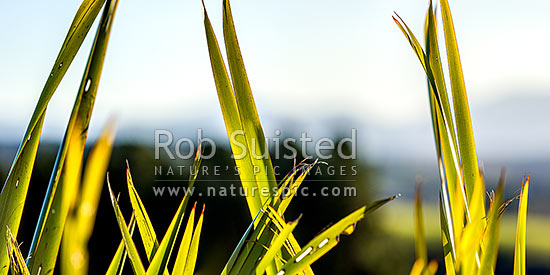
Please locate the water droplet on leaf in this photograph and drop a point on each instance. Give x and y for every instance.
(88, 84)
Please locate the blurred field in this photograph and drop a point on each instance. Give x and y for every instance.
(397, 221)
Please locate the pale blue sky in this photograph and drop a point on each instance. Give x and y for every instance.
(308, 61)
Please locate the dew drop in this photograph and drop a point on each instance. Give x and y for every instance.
(53, 211)
(60, 64)
(325, 241)
(281, 272)
(304, 254)
(17, 183)
(88, 85)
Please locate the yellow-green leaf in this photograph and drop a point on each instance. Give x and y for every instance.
(17, 263)
(329, 238)
(183, 250)
(492, 233)
(250, 121)
(194, 247)
(73, 143)
(276, 246)
(80, 223)
(47, 241)
(146, 230)
(519, 252)
(465, 132)
(14, 192)
(117, 264)
(232, 118)
(137, 266)
(419, 232)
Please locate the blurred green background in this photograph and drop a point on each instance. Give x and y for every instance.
(382, 243)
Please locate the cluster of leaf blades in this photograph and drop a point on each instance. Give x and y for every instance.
(65, 179)
(470, 234)
(158, 254)
(268, 246)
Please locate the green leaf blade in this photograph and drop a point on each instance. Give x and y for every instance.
(194, 247)
(117, 263)
(492, 233)
(79, 226)
(62, 188)
(231, 117)
(126, 236)
(14, 192)
(247, 108)
(17, 263)
(329, 238)
(276, 246)
(460, 103)
(183, 250)
(146, 230)
(419, 231)
(521, 232)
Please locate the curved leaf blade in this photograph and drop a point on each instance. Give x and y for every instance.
(329, 238)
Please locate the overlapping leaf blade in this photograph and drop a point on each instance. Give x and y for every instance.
(162, 256)
(252, 245)
(194, 246)
(146, 230)
(183, 251)
(329, 238)
(231, 117)
(48, 243)
(17, 262)
(250, 121)
(460, 103)
(117, 263)
(73, 143)
(275, 247)
(12, 197)
(135, 260)
(240, 115)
